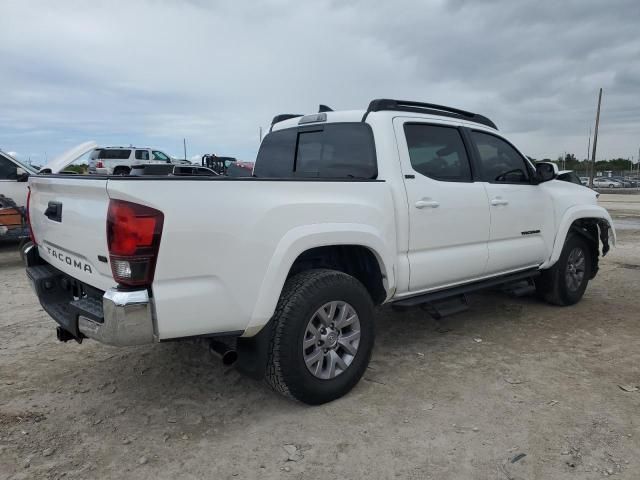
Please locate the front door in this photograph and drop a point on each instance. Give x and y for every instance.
(520, 211)
(448, 211)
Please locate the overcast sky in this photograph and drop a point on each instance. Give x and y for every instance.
(153, 72)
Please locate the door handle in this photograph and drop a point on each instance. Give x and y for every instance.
(427, 204)
(54, 211)
(499, 201)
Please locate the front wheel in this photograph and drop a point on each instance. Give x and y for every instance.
(323, 336)
(566, 282)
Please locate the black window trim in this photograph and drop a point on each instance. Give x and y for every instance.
(472, 166)
(478, 162)
(10, 162)
(320, 128)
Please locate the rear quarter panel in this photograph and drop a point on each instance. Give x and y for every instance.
(227, 245)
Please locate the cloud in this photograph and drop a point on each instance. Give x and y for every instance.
(155, 72)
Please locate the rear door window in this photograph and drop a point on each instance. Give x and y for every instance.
(114, 154)
(337, 150)
(142, 154)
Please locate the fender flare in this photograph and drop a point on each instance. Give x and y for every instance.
(571, 215)
(303, 238)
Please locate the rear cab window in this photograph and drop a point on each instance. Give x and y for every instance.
(333, 150)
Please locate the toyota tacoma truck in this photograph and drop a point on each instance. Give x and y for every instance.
(404, 203)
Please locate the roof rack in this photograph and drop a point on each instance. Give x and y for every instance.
(430, 108)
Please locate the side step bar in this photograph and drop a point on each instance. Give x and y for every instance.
(432, 297)
(446, 307)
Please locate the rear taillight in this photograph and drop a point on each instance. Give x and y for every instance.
(99, 164)
(133, 238)
(31, 235)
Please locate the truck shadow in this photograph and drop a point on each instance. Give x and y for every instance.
(182, 387)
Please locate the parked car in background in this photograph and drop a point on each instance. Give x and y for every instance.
(626, 182)
(606, 182)
(119, 160)
(14, 173)
(170, 169)
(240, 169)
(13, 177)
(569, 176)
(584, 181)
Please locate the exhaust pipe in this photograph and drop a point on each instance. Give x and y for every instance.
(226, 353)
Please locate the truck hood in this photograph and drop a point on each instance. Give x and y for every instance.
(63, 160)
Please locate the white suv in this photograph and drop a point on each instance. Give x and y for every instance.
(119, 160)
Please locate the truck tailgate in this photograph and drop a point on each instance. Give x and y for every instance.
(68, 218)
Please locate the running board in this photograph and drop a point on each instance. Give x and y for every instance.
(520, 289)
(431, 297)
(446, 307)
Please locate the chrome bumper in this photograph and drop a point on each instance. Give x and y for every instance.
(115, 317)
(127, 319)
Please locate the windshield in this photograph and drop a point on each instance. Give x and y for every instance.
(25, 166)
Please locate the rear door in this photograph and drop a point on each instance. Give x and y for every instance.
(521, 213)
(68, 217)
(142, 157)
(448, 211)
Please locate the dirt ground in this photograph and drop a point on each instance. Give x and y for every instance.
(463, 398)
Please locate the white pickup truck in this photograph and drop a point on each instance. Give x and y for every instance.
(405, 203)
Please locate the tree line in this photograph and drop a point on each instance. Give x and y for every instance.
(570, 162)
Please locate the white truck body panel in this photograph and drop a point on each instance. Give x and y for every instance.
(222, 270)
(74, 244)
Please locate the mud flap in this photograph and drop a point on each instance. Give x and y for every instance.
(253, 353)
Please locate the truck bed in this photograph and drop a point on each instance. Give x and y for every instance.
(226, 245)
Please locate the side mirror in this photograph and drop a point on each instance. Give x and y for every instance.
(22, 174)
(546, 171)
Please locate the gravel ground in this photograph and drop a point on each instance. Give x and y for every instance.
(511, 389)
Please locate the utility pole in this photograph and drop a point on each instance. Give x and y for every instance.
(260, 134)
(588, 150)
(595, 141)
(184, 145)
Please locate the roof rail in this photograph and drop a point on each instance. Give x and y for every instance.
(430, 108)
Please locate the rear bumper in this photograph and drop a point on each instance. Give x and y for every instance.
(114, 317)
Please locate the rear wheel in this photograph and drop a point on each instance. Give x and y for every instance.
(323, 336)
(566, 282)
(121, 171)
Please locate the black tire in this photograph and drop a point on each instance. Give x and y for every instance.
(554, 286)
(123, 171)
(302, 295)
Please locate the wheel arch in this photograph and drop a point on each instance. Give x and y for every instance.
(320, 245)
(593, 223)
